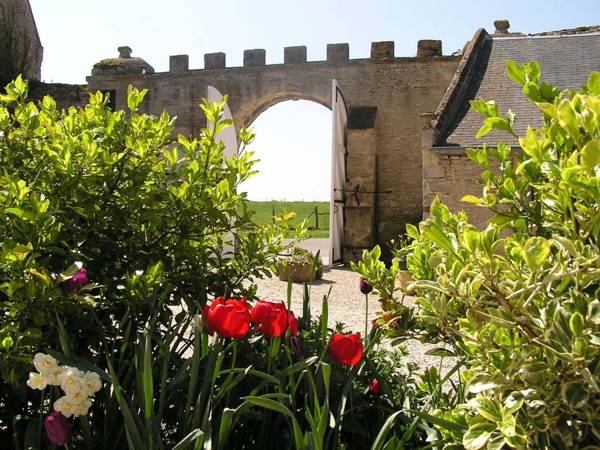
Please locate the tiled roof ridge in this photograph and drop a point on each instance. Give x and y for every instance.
(461, 80)
(570, 31)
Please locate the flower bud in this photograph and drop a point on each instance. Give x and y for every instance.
(364, 286)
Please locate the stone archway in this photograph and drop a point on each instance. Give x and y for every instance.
(387, 98)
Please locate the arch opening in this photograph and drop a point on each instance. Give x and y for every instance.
(293, 146)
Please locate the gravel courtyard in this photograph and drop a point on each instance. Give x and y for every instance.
(346, 304)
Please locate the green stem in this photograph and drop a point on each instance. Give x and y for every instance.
(366, 319)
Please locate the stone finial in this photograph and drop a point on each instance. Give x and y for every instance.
(214, 60)
(124, 51)
(501, 26)
(429, 47)
(254, 58)
(294, 55)
(382, 50)
(179, 63)
(337, 53)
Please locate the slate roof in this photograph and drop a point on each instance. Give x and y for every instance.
(566, 60)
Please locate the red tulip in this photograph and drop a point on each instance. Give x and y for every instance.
(375, 386)
(273, 319)
(228, 318)
(346, 350)
(58, 429)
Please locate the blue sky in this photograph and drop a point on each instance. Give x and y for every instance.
(78, 33)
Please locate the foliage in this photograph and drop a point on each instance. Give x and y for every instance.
(518, 301)
(114, 238)
(114, 192)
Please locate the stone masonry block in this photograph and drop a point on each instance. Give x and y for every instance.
(429, 47)
(382, 50)
(255, 58)
(179, 63)
(214, 60)
(294, 55)
(337, 53)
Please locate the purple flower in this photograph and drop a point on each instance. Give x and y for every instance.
(77, 281)
(58, 429)
(364, 286)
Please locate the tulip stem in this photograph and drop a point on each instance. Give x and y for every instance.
(366, 318)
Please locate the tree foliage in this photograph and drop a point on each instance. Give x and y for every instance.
(518, 301)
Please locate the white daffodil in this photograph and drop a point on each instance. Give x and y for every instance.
(71, 380)
(37, 381)
(53, 376)
(65, 405)
(91, 383)
(43, 363)
(82, 408)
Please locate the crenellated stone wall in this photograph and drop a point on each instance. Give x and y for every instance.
(384, 159)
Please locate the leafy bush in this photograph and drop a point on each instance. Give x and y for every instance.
(115, 239)
(518, 301)
(112, 191)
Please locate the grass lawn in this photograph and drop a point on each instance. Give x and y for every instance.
(264, 214)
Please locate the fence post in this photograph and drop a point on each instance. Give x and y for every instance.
(316, 217)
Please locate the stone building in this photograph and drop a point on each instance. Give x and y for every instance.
(566, 58)
(408, 119)
(18, 32)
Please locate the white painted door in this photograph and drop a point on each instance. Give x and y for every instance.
(229, 138)
(338, 174)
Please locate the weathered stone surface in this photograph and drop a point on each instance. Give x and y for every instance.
(386, 157)
(382, 50)
(429, 47)
(255, 58)
(214, 60)
(338, 53)
(18, 15)
(179, 63)
(294, 55)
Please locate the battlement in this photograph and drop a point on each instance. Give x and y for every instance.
(336, 54)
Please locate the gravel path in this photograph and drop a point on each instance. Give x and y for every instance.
(346, 304)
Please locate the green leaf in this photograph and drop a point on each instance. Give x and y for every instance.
(384, 431)
(576, 324)
(471, 199)
(190, 439)
(593, 83)
(488, 408)
(515, 72)
(590, 155)
(442, 423)
(478, 435)
(574, 394)
(435, 234)
(535, 252)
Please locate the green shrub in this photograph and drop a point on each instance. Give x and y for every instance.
(112, 191)
(518, 301)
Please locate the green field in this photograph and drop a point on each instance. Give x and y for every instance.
(264, 214)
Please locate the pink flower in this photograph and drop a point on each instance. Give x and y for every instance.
(58, 429)
(77, 282)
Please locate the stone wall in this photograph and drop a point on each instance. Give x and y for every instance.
(26, 34)
(65, 95)
(401, 90)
